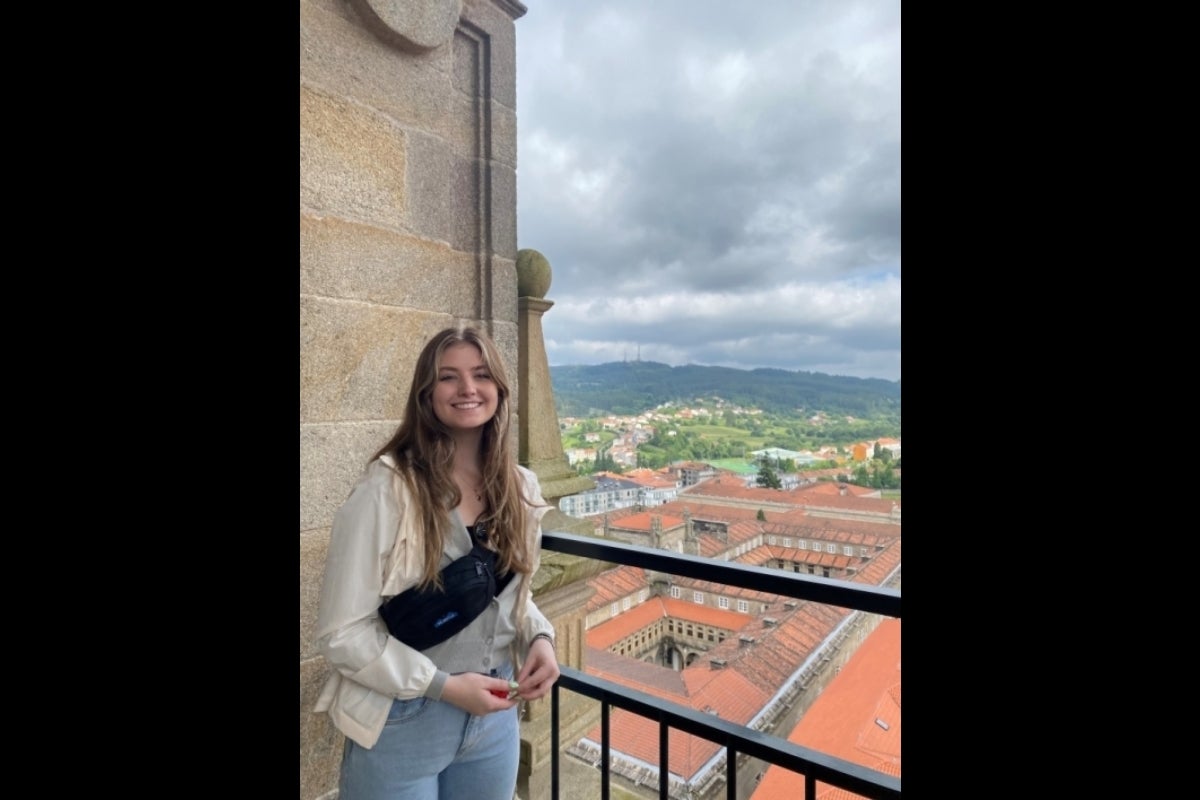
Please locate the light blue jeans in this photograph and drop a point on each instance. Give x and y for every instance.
(432, 750)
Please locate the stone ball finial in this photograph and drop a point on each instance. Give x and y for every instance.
(533, 274)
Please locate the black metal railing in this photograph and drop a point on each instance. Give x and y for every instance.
(737, 739)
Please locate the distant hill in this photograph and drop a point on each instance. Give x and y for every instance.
(624, 387)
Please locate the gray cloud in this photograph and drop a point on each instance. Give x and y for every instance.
(714, 185)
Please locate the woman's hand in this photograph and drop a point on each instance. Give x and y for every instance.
(539, 672)
(478, 694)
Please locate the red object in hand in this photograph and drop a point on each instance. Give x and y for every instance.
(513, 686)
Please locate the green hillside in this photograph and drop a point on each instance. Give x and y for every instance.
(625, 387)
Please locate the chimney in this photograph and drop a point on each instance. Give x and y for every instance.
(717, 663)
(746, 640)
(769, 622)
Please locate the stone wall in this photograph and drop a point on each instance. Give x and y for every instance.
(407, 224)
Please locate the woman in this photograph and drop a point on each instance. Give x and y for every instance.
(439, 723)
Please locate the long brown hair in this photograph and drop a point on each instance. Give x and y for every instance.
(424, 451)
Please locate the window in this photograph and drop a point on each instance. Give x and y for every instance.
(743, 606)
(862, 551)
(847, 550)
(675, 592)
(801, 544)
(831, 548)
(723, 602)
(626, 602)
(787, 541)
(616, 609)
(770, 540)
(698, 597)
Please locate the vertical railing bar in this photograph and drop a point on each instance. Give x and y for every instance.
(730, 740)
(664, 761)
(554, 698)
(730, 772)
(604, 748)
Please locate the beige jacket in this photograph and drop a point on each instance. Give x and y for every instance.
(375, 552)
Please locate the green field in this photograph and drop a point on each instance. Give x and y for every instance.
(738, 465)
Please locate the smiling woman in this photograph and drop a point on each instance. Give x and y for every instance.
(445, 491)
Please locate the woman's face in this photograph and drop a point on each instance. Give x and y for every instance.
(464, 396)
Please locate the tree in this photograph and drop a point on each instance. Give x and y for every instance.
(861, 477)
(767, 477)
(761, 516)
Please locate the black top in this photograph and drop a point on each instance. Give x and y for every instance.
(479, 536)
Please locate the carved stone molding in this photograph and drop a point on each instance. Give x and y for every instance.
(415, 26)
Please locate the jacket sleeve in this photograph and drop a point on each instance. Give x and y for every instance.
(350, 633)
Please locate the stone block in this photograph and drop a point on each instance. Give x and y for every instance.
(468, 72)
(342, 57)
(313, 546)
(442, 189)
(332, 457)
(504, 135)
(321, 744)
(356, 360)
(497, 20)
(352, 160)
(504, 296)
(349, 260)
(463, 126)
(504, 213)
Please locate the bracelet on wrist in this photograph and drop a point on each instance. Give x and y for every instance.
(545, 636)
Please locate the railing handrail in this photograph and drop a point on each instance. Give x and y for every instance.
(738, 738)
(828, 591)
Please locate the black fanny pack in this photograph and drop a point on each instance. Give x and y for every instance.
(422, 618)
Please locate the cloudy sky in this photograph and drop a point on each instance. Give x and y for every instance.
(714, 183)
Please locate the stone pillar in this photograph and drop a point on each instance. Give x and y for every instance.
(540, 446)
(560, 586)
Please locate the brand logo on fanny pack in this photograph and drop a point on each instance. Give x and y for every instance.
(445, 619)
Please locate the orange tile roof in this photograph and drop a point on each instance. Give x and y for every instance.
(799, 522)
(629, 622)
(640, 520)
(724, 486)
(722, 691)
(752, 674)
(829, 487)
(842, 721)
(737, 692)
(614, 585)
